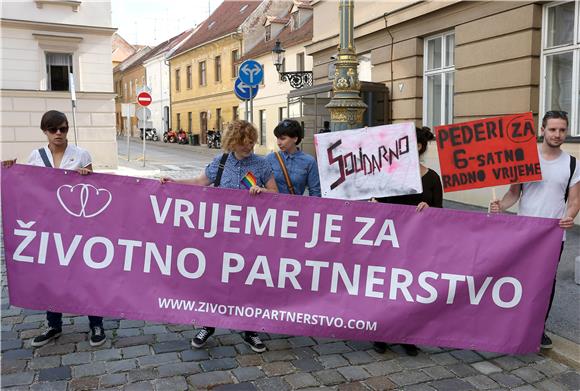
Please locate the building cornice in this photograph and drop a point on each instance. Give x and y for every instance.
(396, 16)
(74, 4)
(234, 35)
(56, 27)
(6, 93)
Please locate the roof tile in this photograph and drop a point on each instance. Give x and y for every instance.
(226, 19)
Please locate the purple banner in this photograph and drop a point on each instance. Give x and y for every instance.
(133, 248)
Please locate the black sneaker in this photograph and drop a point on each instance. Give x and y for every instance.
(254, 341)
(546, 342)
(411, 350)
(380, 347)
(48, 335)
(202, 336)
(98, 336)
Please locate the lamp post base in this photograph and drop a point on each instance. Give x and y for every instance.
(346, 113)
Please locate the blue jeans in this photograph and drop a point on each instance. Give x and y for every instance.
(55, 320)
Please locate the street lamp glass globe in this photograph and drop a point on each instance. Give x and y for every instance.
(278, 55)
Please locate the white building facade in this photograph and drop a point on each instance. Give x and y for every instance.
(158, 79)
(292, 26)
(271, 103)
(42, 41)
(157, 72)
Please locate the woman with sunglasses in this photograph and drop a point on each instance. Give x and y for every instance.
(60, 154)
(293, 169)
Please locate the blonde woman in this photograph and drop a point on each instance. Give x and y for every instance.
(238, 162)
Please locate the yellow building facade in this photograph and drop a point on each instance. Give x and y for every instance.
(203, 70)
(202, 84)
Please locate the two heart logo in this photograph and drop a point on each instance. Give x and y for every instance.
(83, 200)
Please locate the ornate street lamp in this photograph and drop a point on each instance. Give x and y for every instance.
(297, 79)
(346, 106)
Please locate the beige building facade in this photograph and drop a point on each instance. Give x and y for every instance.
(128, 77)
(41, 43)
(448, 62)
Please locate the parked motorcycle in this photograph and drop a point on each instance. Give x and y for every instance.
(214, 139)
(150, 134)
(182, 137)
(169, 136)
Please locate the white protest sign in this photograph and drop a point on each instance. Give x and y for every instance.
(363, 163)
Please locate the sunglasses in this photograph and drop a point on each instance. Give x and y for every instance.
(62, 129)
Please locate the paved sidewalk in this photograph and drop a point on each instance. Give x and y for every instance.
(152, 356)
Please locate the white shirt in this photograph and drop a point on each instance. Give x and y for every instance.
(546, 197)
(73, 158)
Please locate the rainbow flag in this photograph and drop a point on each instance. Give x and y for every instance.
(249, 180)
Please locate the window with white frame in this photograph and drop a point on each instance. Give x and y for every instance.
(282, 113)
(58, 66)
(438, 78)
(202, 80)
(295, 16)
(300, 61)
(365, 67)
(560, 82)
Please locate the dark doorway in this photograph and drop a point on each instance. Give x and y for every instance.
(203, 125)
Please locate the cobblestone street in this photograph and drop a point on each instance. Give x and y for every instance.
(152, 356)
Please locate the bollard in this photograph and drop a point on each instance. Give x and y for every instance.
(577, 270)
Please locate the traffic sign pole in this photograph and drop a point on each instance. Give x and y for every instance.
(144, 123)
(128, 130)
(71, 85)
(251, 109)
(144, 99)
(247, 84)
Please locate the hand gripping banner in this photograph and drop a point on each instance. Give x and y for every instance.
(133, 248)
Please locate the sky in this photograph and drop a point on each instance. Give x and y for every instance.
(149, 22)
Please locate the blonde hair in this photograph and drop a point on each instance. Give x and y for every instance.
(239, 132)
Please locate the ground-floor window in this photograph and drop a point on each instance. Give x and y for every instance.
(438, 79)
(58, 66)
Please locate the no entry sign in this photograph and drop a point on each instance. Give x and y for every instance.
(144, 98)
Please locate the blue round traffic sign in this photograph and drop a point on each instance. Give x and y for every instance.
(244, 91)
(251, 72)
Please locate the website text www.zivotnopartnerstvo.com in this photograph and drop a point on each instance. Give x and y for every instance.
(266, 313)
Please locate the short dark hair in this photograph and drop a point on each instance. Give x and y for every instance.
(52, 119)
(555, 114)
(290, 128)
(424, 135)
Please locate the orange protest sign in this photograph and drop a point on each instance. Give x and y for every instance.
(488, 152)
